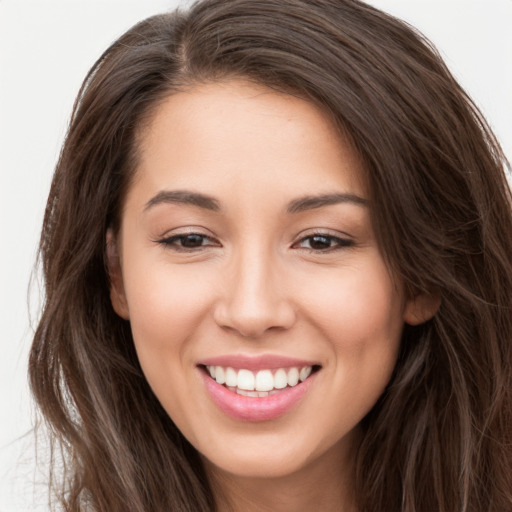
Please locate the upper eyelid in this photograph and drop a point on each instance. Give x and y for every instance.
(187, 230)
(323, 232)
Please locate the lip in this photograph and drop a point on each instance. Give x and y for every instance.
(255, 363)
(255, 409)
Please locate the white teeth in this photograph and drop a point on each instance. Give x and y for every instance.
(247, 393)
(231, 377)
(246, 380)
(280, 379)
(304, 373)
(264, 380)
(219, 375)
(293, 376)
(261, 383)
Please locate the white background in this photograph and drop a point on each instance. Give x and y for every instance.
(46, 48)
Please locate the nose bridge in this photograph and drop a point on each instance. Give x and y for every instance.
(255, 300)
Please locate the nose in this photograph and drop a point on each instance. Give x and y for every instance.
(254, 298)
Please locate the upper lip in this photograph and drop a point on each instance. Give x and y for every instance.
(255, 363)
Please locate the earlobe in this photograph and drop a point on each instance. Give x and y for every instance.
(117, 293)
(421, 308)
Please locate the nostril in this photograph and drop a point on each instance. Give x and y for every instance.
(253, 327)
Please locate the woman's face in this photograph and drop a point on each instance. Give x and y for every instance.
(246, 249)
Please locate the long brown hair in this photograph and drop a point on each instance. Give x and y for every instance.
(439, 439)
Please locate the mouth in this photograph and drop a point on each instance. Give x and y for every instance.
(257, 389)
(261, 383)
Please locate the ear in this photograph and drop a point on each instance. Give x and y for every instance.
(421, 307)
(117, 293)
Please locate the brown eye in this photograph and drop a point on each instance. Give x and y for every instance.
(188, 242)
(192, 240)
(323, 243)
(319, 242)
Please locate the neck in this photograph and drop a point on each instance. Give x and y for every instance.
(324, 485)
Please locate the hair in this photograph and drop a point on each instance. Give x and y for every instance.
(439, 437)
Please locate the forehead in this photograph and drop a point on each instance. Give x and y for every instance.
(249, 137)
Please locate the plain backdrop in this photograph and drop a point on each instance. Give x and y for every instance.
(46, 48)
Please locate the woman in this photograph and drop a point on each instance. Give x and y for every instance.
(277, 261)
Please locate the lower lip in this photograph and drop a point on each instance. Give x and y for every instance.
(248, 408)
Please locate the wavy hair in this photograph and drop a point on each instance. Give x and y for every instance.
(439, 437)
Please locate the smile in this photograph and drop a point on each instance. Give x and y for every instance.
(259, 384)
(257, 389)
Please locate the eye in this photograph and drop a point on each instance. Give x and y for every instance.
(321, 242)
(188, 241)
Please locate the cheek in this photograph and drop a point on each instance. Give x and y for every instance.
(166, 305)
(359, 308)
(360, 315)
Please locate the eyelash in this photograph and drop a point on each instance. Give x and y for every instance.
(336, 243)
(339, 243)
(171, 242)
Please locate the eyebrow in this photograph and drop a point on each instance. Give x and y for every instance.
(183, 197)
(311, 202)
(298, 205)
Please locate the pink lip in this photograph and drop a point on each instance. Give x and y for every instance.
(255, 363)
(247, 408)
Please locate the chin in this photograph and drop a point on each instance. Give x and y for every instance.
(272, 456)
(256, 465)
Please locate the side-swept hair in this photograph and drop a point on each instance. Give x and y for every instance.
(439, 439)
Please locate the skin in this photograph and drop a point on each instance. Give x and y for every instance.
(254, 285)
